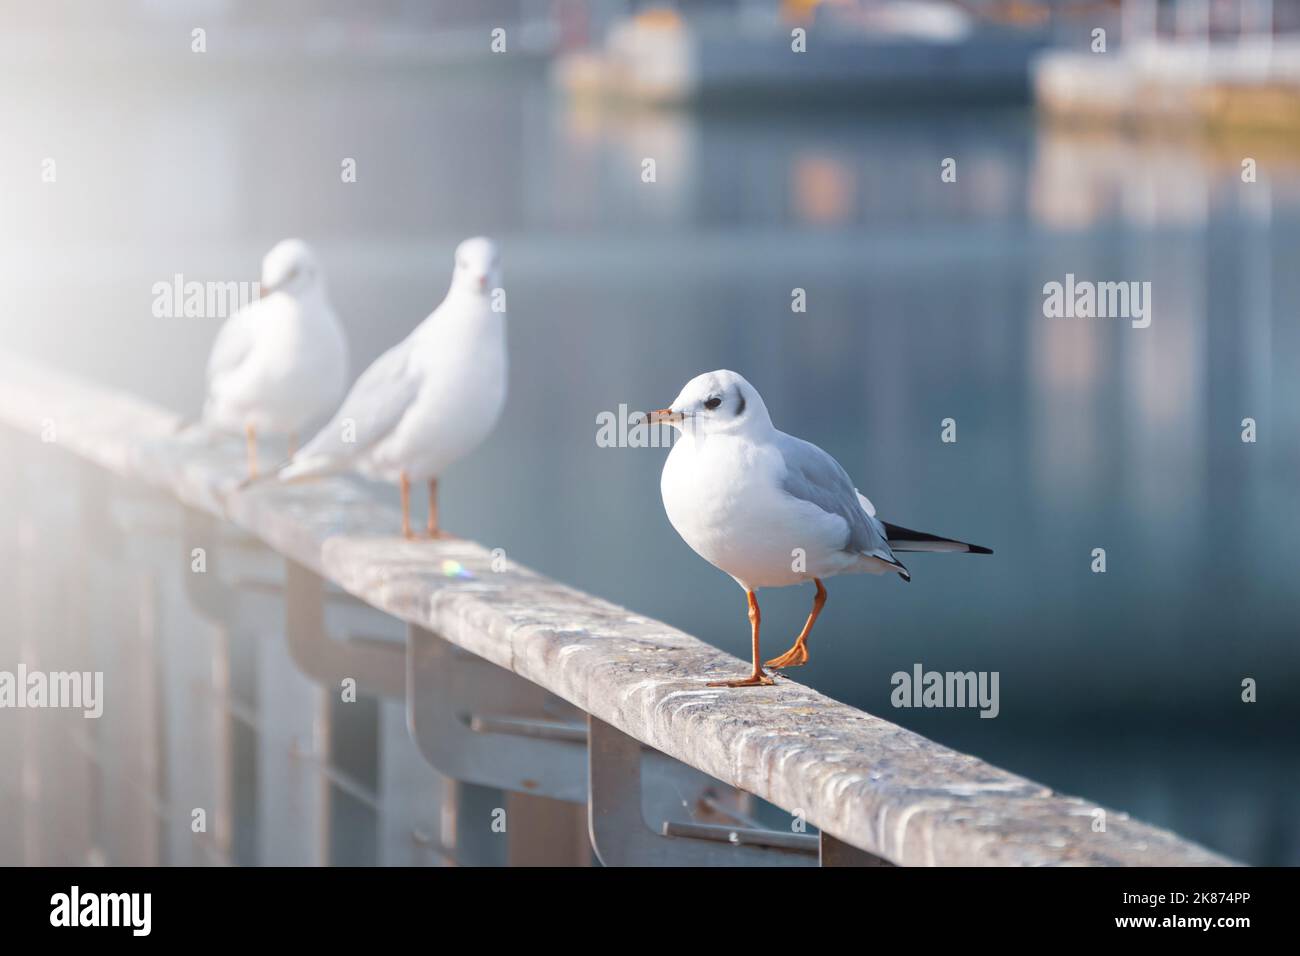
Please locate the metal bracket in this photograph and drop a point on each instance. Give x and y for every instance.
(621, 837)
(206, 592)
(476, 722)
(378, 666)
(838, 853)
(227, 602)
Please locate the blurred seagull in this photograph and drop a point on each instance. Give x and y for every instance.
(770, 509)
(280, 363)
(429, 400)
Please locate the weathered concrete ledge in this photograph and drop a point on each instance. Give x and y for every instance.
(862, 779)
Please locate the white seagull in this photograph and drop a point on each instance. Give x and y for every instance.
(770, 509)
(280, 363)
(429, 400)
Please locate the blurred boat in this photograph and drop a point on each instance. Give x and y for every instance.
(854, 52)
(1186, 68)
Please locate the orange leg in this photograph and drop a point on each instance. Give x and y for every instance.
(293, 444)
(250, 441)
(406, 507)
(757, 677)
(433, 529)
(798, 654)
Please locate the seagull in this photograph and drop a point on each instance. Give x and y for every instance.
(770, 509)
(280, 363)
(429, 400)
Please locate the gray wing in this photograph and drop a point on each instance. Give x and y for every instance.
(233, 343)
(369, 413)
(814, 476)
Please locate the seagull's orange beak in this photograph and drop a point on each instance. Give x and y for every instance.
(665, 415)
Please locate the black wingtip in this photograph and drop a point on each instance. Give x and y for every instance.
(905, 574)
(905, 539)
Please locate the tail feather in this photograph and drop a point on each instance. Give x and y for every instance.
(258, 479)
(882, 562)
(294, 469)
(905, 539)
(903, 573)
(300, 468)
(276, 472)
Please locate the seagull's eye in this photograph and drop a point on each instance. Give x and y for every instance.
(713, 403)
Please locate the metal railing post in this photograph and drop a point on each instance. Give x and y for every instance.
(621, 836)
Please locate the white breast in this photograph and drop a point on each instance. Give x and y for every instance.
(311, 370)
(293, 373)
(723, 495)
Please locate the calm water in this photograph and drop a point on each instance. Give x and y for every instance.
(924, 303)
